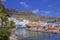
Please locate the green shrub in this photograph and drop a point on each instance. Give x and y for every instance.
(11, 24)
(4, 34)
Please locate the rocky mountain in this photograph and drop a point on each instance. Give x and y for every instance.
(28, 15)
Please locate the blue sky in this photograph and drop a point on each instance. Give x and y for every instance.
(40, 7)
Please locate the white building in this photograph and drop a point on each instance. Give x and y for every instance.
(23, 23)
(19, 23)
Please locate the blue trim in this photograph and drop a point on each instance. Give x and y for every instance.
(51, 22)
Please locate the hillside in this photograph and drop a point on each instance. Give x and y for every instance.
(28, 15)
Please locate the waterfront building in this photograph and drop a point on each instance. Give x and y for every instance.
(36, 25)
(52, 23)
(58, 24)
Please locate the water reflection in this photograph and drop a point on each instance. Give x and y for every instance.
(30, 35)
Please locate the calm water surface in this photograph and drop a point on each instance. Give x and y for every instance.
(31, 35)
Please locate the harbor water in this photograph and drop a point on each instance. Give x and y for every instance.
(32, 35)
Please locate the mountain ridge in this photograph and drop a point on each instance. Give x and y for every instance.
(28, 15)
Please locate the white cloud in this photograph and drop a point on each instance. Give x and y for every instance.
(49, 5)
(24, 4)
(43, 12)
(35, 11)
(47, 12)
(58, 9)
(53, 5)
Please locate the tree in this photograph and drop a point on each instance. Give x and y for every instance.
(3, 15)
